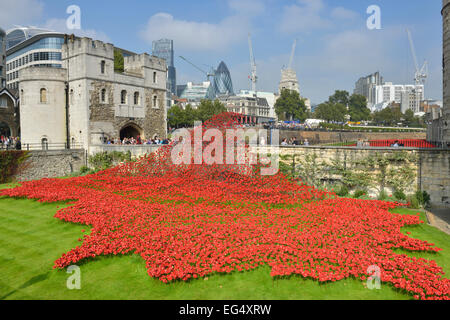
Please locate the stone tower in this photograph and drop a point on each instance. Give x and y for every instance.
(289, 81)
(446, 70)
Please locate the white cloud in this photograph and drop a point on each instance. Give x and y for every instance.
(303, 17)
(19, 12)
(60, 26)
(196, 36)
(344, 14)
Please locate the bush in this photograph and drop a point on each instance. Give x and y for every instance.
(342, 191)
(84, 170)
(105, 160)
(423, 198)
(399, 195)
(10, 163)
(359, 193)
(383, 195)
(413, 202)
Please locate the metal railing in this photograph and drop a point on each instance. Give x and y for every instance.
(50, 146)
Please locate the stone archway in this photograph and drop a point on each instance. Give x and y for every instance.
(5, 129)
(130, 131)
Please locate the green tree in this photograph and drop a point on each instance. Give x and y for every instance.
(389, 116)
(331, 112)
(290, 106)
(408, 118)
(358, 108)
(118, 61)
(340, 96)
(190, 115)
(208, 109)
(175, 117)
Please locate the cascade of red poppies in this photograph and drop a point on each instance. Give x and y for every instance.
(188, 221)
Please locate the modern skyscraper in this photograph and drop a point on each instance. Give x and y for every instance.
(222, 84)
(163, 48)
(365, 86)
(2, 59)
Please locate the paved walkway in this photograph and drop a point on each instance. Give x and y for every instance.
(439, 218)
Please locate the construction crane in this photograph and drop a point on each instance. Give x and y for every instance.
(421, 74)
(291, 60)
(253, 78)
(208, 74)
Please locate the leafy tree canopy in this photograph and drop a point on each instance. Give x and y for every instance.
(290, 106)
(358, 108)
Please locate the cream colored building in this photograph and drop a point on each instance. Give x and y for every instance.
(103, 104)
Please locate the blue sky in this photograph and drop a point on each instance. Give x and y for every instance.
(334, 48)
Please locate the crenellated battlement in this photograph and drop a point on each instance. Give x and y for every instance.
(87, 46)
(135, 64)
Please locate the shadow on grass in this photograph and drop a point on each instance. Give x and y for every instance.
(32, 281)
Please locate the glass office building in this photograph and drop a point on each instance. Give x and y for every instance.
(31, 47)
(2, 59)
(164, 49)
(194, 92)
(222, 84)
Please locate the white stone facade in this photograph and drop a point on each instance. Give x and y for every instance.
(42, 120)
(103, 104)
(409, 96)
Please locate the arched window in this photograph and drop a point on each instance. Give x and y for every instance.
(44, 142)
(155, 102)
(43, 96)
(102, 66)
(103, 96)
(123, 97)
(136, 98)
(22, 97)
(154, 77)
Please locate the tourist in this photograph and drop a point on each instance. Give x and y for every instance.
(360, 143)
(306, 143)
(284, 142)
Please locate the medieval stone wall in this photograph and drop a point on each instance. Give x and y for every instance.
(52, 164)
(331, 136)
(432, 166)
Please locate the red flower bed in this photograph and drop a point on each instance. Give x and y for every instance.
(407, 143)
(190, 221)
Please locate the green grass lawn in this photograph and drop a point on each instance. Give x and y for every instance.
(31, 239)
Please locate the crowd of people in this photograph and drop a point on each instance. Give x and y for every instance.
(138, 141)
(294, 142)
(10, 143)
(292, 126)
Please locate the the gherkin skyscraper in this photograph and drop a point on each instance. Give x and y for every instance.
(221, 84)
